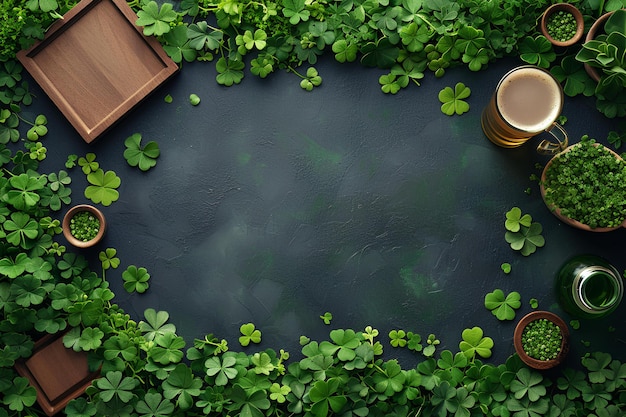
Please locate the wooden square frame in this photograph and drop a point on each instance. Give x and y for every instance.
(96, 65)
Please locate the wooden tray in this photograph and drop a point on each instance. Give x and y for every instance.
(57, 373)
(96, 64)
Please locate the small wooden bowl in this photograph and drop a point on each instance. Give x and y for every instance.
(566, 7)
(517, 339)
(66, 225)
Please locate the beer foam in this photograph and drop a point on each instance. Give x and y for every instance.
(529, 99)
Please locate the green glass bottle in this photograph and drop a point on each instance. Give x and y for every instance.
(588, 286)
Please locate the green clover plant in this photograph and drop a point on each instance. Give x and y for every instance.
(501, 306)
(453, 100)
(143, 157)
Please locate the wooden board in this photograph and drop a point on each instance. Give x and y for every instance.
(96, 65)
(57, 373)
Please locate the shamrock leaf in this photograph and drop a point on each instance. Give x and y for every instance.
(249, 334)
(178, 46)
(182, 385)
(88, 163)
(311, 80)
(103, 188)
(153, 404)
(453, 99)
(115, 384)
(503, 307)
(515, 220)
(229, 71)
(222, 370)
(202, 36)
(295, 11)
(156, 21)
(527, 240)
(345, 51)
(136, 155)
(156, 324)
(109, 259)
(136, 279)
(537, 51)
(474, 343)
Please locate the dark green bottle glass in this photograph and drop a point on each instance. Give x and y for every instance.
(588, 286)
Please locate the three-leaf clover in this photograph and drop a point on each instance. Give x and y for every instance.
(453, 99)
(109, 259)
(249, 334)
(136, 279)
(103, 188)
(474, 343)
(515, 220)
(311, 80)
(156, 21)
(136, 155)
(527, 240)
(501, 306)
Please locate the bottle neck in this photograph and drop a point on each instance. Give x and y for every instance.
(597, 289)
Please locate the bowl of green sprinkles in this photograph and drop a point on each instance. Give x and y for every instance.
(541, 339)
(562, 24)
(585, 187)
(83, 226)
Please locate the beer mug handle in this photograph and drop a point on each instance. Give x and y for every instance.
(547, 147)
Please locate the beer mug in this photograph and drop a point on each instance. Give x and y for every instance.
(527, 102)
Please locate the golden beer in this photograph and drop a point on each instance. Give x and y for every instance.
(527, 101)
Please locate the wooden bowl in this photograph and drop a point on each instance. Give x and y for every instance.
(66, 225)
(566, 7)
(557, 212)
(517, 340)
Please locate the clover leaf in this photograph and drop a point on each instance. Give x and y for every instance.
(201, 36)
(153, 404)
(249, 334)
(537, 51)
(115, 384)
(474, 343)
(295, 11)
(182, 385)
(527, 240)
(103, 188)
(88, 163)
(345, 51)
(108, 258)
(178, 46)
(230, 71)
(136, 155)
(136, 279)
(515, 220)
(156, 21)
(503, 307)
(222, 369)
(453, 99)
(397, 338)
(311, 80)
(156, 324)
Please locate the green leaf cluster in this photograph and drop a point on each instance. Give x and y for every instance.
(522, 234)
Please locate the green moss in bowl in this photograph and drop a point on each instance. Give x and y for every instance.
(587, 183)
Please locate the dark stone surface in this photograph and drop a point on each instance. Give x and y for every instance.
(272, 205)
